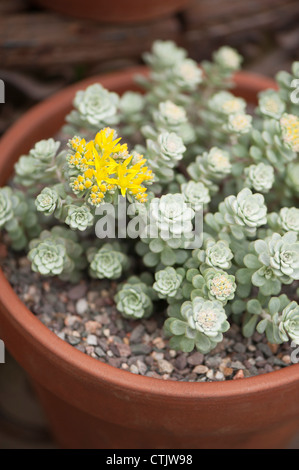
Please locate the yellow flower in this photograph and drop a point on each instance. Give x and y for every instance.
(89, 173)
(106, 144)
(103, 163)
(123, 176)
(131, 178)
(78, 144)
(88, 184)
(103, 168)
(290, 131)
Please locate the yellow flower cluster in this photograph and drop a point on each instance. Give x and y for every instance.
(104, 165)
(290, 131)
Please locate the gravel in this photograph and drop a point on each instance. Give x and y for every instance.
(85, 316)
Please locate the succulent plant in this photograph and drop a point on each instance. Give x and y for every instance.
(217, 163)
(269, 145)
(95, 107)
(292, 175)
(46, 201)
(171, 215)
(38, 166)
(286, 220)
(196, 194)
(202, 325)
(289, 219)
(45, 150)
(278, 319)
(246, 211)
(226, 103)
(169, 116)
(270, 104)
(239, 123)
(171, 147)
(167, 282)
(281, 255)
(57, 252)
(204, 196)
(6, 206)
(221, 286)
(18, 217)
(131, 103)
(164, 153)
(227, 57)
(79, 217)
(290, 131)
(187, 74)
(107, 262)
(134, 300)
(289, 323)
(164, 54)
(260, 177)
(217, 254)
(210, 168)
(48, 258)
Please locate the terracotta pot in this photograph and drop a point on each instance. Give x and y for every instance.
(93, 405)
(128, 11)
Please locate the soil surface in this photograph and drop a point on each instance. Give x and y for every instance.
(85, 316)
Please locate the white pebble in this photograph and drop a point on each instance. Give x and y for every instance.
(200, 369)
(134, 369)
(158, 356)
(81, 306)
(92, 340)
(142, 368)
(165, 366)
(219, 375)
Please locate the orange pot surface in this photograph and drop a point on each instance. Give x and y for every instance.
(94, 405)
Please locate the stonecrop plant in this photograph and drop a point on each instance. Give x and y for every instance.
(212, 187)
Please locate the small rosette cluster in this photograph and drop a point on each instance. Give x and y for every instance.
(201, 324)
(57, 252)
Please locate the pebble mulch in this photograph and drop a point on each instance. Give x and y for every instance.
(85, 316)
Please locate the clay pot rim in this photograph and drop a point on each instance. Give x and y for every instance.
(127, 16)
(58, 351)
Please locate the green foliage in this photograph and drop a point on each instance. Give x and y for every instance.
(134, 299)
(108, 262)
(6, 205)
(210, 168)
(164, 150)
(39, 166)
(57, 252)
(168, 281)
(201, 325)
(18, 217)
(216, 254)
(46, 201)
(95, 107)
(242, 214)
(206, 154)
(79, 217)
(196, 194)
(260, 177)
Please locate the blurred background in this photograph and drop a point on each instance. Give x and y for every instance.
(46, 45)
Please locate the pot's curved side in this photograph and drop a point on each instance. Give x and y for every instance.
(93, 405)
(90, 404)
